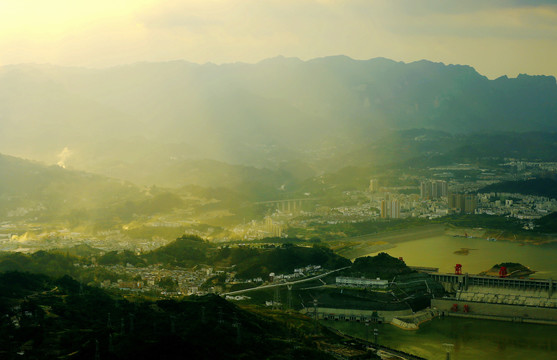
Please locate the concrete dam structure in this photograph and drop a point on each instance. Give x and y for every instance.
(511, 299)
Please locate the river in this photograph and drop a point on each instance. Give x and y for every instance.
(472, 339)
(439, 251)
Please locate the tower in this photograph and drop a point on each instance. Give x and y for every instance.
(383, 209)
(276, 300)
(395, 209)
(315, 315)
(373, 185)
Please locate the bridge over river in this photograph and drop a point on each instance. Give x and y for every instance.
(288, 204)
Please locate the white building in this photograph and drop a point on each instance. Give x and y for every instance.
(362, 282)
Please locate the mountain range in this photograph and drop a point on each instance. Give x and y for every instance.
(242, 133)
(256, 114)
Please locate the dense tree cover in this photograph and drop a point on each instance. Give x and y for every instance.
(336, 231)
(187, 250)
(15, 285)
(332, 231)
(547, 224)
(54, 263)
(382, 266)
(51, 318)
(44, 262)
(168, 283)
(190, 250)
(282, 260)
(80, 250)
(121, 258)
(538, 187)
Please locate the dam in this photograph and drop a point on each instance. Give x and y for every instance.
(507, 299)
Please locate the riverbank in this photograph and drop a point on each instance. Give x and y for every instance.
(473, 339)
(413, 322)
(501, 312)
(439, 252)
(521, 237)
(363, 245)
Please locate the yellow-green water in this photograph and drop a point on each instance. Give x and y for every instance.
(439, 252)
(472, 339)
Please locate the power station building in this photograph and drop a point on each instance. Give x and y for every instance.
(362, 282)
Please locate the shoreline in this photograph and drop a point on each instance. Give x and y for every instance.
(364, 245)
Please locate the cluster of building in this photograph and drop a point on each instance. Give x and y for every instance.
(271, 226)
(33, 238)
(524, 207)
(390, 209)
(148, 279)
(438, 199)
(189, 281)
(309, 270)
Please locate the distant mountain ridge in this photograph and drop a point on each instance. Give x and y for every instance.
(546, 187)
(269, 110)
(423, 148)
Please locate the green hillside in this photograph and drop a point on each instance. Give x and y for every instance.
(51, 318)
(251, 262)
(539, 187)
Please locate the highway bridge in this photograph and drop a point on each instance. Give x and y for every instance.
(287, 205)
(290, 283)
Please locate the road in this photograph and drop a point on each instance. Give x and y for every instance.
(284, 284)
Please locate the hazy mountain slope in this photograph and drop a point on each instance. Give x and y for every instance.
(421, 147)
(31, 189)
(211, 190)
(242, 113)
(207, 173)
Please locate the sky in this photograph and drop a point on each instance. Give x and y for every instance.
(497, 37)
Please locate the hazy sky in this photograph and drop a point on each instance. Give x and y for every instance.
(496, 37)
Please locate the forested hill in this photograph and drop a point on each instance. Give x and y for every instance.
(186, 251)
(50, 318)
(547, 224)
(281, 260)
(52, 193)
(540, 187)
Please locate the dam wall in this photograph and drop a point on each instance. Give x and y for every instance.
(355, 314)
(490, 311)
(461, 282)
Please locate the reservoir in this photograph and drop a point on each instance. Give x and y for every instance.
(472, 339)
(479, 254)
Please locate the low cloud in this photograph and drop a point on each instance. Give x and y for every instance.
(63, 157)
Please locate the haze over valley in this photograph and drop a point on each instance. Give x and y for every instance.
(386, 188)
(112, 146)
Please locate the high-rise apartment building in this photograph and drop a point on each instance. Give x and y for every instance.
(395, 209)
(462, 203)
(390, 209)
(431, 190)
(373, 185)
